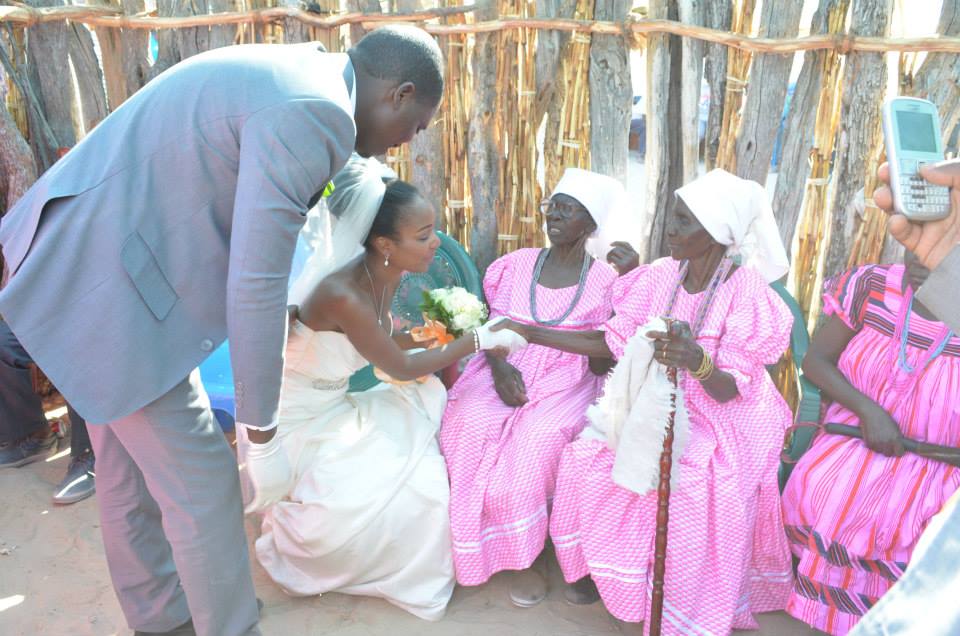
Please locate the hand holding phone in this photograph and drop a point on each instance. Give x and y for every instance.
(911, 131)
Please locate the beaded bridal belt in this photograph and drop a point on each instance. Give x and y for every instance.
(328, 385)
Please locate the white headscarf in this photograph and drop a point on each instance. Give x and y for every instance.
(606, 201)
(344, 221)
(736, 213)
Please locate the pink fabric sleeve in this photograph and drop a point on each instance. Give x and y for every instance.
(756, 333)
(845, 296)
(497, 282)
(629, 297)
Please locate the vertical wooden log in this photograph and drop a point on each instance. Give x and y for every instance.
(483, 154)
(552, 91)
(32, 118)
(664, 163)
(766, 92)
(691, 12)
(48, 70)
(18, 170)
(718, 15)
(611, 94)
(86, 67)
(864, 85)
(135, 45)
(426, 151)
(175, 45)
(830, 17)
(567, 133)
(937, 78)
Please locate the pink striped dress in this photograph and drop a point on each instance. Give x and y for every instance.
(854, 516)
(503, 460)
(727, 555)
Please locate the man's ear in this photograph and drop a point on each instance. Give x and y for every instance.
(405, 92)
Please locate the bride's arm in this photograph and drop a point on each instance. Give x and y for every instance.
(406, 342)
(355, 319)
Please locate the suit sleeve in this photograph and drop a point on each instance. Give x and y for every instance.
(288, 152)
(941, 292)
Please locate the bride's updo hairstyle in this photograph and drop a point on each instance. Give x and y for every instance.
(397, 197)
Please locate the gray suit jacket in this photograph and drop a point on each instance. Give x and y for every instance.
(172, 225)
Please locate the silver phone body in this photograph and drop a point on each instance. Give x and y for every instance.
(911, 131)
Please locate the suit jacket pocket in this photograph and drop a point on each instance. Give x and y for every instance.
(142, 267)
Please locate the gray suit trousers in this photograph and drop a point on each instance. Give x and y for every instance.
(172, 517)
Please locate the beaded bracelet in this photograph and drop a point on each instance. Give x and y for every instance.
(705, 370)
(476, 341)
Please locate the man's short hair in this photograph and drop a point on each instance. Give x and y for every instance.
(402, 53)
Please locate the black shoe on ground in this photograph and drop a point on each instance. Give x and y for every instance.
(26, 450)
(79, 482)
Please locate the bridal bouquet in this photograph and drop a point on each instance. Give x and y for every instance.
(448, 313)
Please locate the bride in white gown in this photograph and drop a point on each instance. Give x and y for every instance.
(368, 512)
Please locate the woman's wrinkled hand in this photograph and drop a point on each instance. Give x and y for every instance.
(880, 432)
(506, 323)
(509, 384)
(623, 257)
(676, 347)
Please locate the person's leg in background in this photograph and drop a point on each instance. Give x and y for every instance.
(79, 481)
(25, 435)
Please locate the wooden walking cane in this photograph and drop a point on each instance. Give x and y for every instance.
(663, 513)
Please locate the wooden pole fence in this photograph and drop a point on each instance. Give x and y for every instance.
(843, 44)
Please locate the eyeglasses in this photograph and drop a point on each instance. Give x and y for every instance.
(564, 211)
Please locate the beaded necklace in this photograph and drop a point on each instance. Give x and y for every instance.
(581, 285)
(719, 275)
(909, 374)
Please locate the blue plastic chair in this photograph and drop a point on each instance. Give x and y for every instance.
(452, 267)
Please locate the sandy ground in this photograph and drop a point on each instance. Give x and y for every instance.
(54, 581)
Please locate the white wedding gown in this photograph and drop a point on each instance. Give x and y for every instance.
(368, 514)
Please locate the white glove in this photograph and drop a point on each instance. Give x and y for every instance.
(502, 339)
(268, 468)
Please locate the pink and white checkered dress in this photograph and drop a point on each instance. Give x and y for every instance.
(727, 554)
(503, 460)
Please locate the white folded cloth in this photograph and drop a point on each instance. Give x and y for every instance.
(633, 414)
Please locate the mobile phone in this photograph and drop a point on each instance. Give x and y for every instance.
(911, 131)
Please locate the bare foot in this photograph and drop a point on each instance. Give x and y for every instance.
(527, 588)
(582, 592)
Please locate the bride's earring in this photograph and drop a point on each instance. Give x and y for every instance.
(386, 260)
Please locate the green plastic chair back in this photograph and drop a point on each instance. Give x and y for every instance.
(452, 267)
(809, 408)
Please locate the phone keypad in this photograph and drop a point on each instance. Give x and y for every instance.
(921, 196)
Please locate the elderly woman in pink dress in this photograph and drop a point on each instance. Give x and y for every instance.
(727, 555)
(508, 420)
(854, 508)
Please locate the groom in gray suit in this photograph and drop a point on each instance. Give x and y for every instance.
(170, 227)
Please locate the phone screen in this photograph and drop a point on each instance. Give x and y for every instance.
(916, 131)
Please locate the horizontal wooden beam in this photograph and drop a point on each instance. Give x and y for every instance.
(110, 17)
